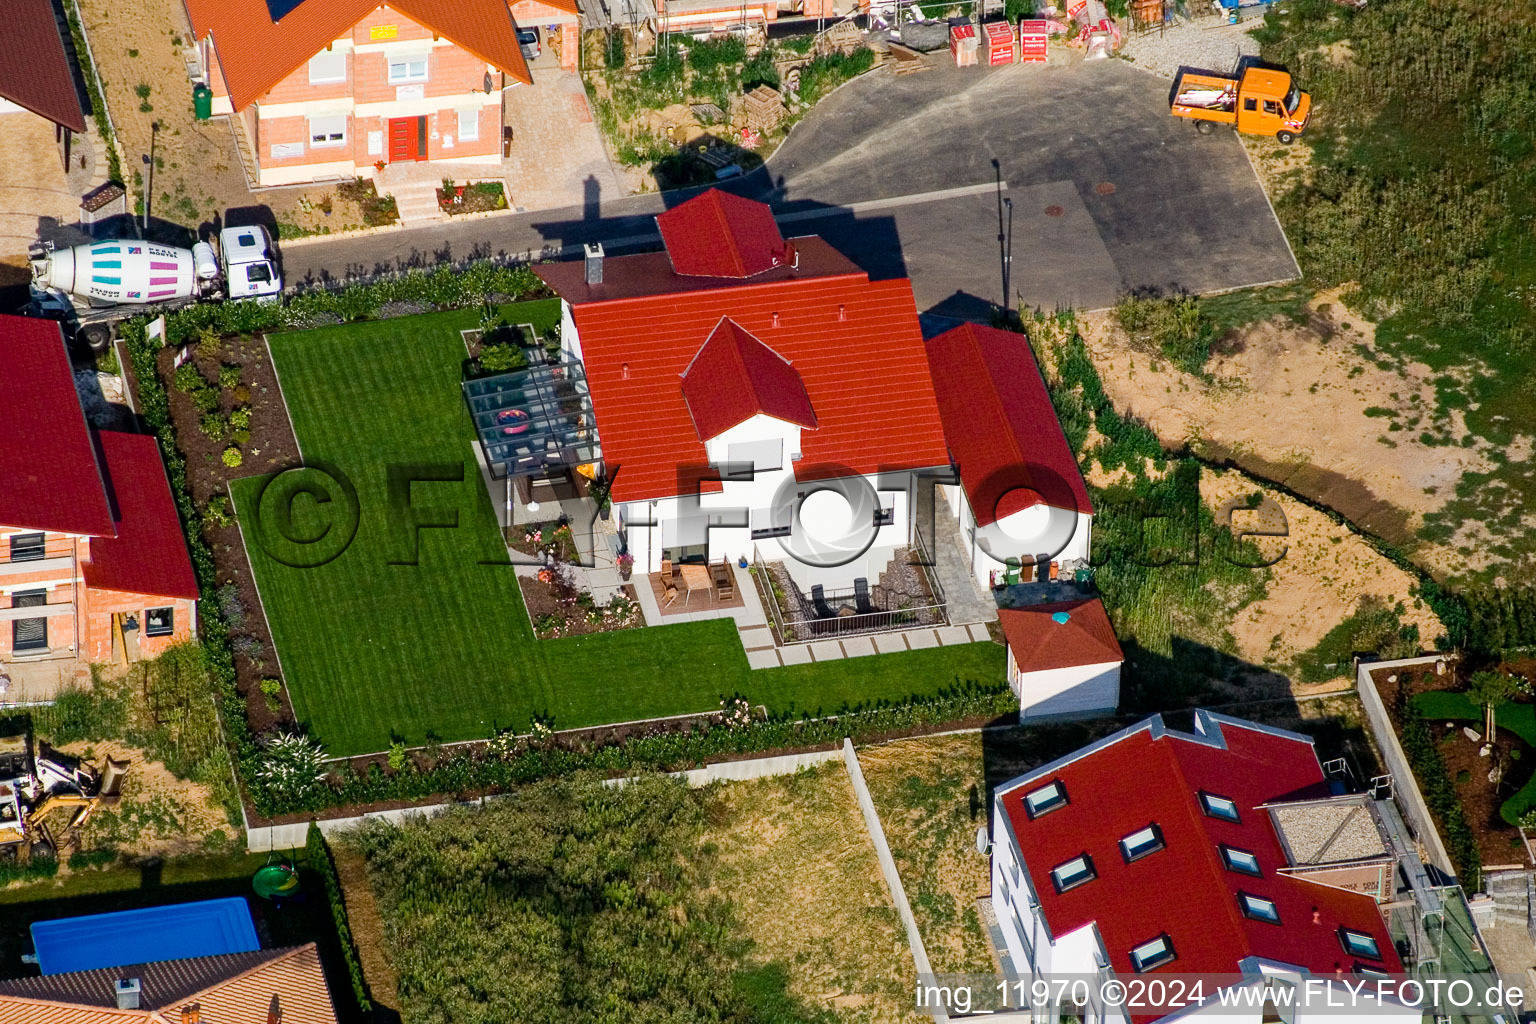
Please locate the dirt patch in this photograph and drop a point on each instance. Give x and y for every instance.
(367, 927)
(797, 863)
(929, 793)
(1312, 407)
(1321, 569)
(140, 57)
(158, 815)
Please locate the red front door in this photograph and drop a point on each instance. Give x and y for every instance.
(407, 139)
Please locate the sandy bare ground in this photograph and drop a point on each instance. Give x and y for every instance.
(797, 863)
(1322, 571)
(158, 815)
(1304, 406)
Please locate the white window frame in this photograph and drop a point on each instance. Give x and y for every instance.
(1142, 843)
(470, 117)
(1244, 862)
(328, 142)
(1075, 872)
(1055, 796)
(1222, 808)
(1258, 908)
(1365, 943)
(339, 56)
(1153, 953)
(405, 61)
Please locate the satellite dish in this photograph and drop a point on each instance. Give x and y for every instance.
(983, 844)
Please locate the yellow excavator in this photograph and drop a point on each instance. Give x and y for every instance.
(34, 790)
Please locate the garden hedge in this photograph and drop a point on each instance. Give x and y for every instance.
(1439, 791)
(318, 855)
(462, 770)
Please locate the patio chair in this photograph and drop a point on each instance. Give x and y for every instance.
(861, 596)
(725, 582)
(668, 592)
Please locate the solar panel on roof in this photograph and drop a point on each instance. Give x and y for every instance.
(280, 9)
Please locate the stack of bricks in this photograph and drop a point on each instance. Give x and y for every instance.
(765, 109)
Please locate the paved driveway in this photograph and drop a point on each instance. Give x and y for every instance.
(1110, 194)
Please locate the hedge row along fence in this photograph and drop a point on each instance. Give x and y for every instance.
(494, 765)
(318, 856)
(1439, 791)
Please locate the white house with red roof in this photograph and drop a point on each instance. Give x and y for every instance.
(92, 561)
(1224, 851)
(754, 396)
(1023, 508)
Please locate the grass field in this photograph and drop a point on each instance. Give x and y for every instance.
(375, 651)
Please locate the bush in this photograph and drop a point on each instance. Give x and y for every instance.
(189, 379)
(232, 457)
(711, 55)
(317, 855)
(229, 377)
(206, 399)
(216, 512)
(1439, 792)
(1173, 326)
(502, 358)
(213, 425)
(240, 419)
(613, 51)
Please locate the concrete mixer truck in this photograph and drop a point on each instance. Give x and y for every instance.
(91, 287)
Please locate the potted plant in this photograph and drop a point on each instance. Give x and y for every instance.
(626, 564)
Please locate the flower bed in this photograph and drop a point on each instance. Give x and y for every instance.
(479, 197)
(558, 609)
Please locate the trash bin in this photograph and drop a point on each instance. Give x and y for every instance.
(202, 101)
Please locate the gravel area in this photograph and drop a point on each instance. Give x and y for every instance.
(1326, 833)
(1208, 44)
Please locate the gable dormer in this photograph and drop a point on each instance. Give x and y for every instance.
(745, 398)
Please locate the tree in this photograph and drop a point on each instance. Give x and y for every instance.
(1490, 689)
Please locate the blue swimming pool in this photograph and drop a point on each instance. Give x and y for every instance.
(172, 932)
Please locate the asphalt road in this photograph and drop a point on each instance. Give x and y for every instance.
(908, 176)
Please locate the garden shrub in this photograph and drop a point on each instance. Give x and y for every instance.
(1439, 791)
(317, 856)
(232, 457)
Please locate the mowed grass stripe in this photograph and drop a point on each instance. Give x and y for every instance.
(376, 651)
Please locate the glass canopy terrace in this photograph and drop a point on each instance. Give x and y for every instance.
(534, 422)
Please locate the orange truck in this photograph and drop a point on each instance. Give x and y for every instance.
(1258, 101)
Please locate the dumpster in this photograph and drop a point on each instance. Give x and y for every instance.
(202, 101)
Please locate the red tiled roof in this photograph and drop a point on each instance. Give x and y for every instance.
(735, 376)
(49, 478)
(148, 555)
(231, 987)
(1001, 427)
(1148, 774)
(1039, 641)
(717, 234)
(255, 53)
(34, 67)
(855, 343)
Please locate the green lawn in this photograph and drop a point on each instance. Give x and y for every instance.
(375, 651)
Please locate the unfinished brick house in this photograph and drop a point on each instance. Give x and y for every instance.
(93, 567)
(325, 89)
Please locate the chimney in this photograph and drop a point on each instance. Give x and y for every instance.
(594, 251)
(1317, 916)
(775, 319)
(127, 993)
(192, 1013)
(842, 311)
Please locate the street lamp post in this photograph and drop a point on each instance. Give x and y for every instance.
(149, 188)
(1008, 258)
